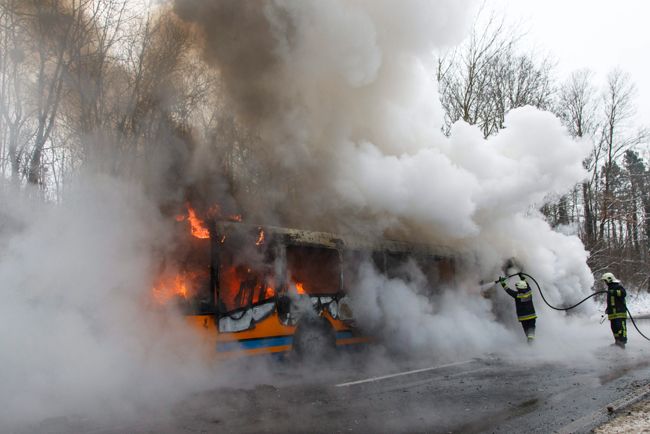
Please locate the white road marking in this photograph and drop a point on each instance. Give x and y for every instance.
(399, 374)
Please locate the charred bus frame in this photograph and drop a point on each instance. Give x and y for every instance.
(260, 318)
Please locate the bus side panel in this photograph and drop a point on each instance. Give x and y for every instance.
(267, 336)
(205, 331)
(346, 335)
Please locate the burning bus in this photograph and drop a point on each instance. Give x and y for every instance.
(253, 290)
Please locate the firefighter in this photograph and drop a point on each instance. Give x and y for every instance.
(524, 305)
(616, 308)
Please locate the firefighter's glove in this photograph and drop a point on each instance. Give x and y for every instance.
(502, 281)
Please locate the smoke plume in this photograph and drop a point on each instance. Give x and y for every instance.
(343, 101)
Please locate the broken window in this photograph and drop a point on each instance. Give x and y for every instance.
(396, 266)
(246, 274)
(186, 280)
(317, 270)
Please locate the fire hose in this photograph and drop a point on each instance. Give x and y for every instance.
(541, 293)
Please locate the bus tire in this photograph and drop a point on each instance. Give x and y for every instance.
(314, 339)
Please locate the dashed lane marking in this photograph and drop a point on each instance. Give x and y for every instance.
(399, 374)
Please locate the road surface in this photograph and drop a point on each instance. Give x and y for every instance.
(488, 394)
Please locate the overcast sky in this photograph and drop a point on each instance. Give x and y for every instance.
(594, 34)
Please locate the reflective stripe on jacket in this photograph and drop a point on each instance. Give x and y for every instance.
(616, 307)
(523, 302)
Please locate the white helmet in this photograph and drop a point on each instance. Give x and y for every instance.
(609, 278)
(521, 284)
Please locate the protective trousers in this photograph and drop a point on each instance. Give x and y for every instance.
(619, 328)
(529, 329)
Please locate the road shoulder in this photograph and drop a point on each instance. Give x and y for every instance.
(634, 418)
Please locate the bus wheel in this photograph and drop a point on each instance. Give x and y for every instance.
(314, 340)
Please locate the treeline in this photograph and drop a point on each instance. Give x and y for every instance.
(490, 74)
(113, 85)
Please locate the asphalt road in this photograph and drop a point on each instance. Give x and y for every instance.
(501, 394)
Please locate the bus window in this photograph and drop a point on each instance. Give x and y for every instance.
(396, 263)
(447, 270)
(437, 270)
(316, 269)
(197, 264)
(244, 282)
(352, 261)
(186, 282)
(429, 265)
(379, 260)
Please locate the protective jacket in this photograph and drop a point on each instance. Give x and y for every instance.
(616, 307)
(523, 302)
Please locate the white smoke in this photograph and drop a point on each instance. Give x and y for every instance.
(453, 324)
(78, 333)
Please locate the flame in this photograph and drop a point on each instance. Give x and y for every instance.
(167, 289)
(197, 225)
(300, 288)
(241, 285)
(260, 238)
(198, 228)
(269, 292)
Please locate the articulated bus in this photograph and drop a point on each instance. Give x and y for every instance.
(251, 290)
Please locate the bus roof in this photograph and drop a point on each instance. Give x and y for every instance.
(336, 241)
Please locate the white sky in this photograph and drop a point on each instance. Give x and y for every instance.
(595, 34)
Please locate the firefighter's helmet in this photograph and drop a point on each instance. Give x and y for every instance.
(521, 284)
(609, 278)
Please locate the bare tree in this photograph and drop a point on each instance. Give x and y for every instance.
(55, 28)
(576, 107)
(517, 80)
(13, 93)
(614, 139)
(487, 76)
(463, 74)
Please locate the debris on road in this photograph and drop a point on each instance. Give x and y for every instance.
(636, 419)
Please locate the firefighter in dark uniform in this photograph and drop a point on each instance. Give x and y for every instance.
(616, 308)
(524, 305)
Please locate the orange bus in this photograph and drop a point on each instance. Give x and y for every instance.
(252, 290)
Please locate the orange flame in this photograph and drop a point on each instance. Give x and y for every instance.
(260, 238)
(197, 225)
(168, 289)
(269, 292)
(240, 286)
(199, 230)
(300, 288)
